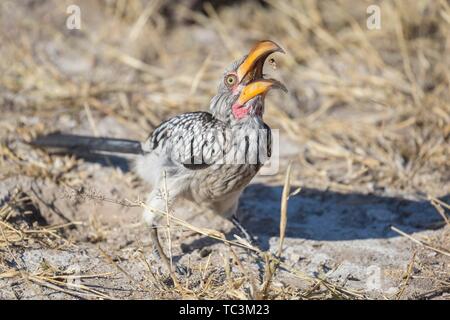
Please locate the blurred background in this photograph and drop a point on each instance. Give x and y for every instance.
(368, 109)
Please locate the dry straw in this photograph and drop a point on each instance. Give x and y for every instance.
(367, 111)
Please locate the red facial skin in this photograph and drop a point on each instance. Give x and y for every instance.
(239, 111)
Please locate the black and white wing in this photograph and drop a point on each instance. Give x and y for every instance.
(194, 140)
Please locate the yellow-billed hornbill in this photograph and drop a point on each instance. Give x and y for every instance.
(204, 157)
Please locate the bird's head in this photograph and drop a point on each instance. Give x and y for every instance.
(242, 88)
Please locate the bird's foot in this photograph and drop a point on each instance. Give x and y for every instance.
(182, 270)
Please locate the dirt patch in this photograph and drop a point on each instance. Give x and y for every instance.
(365, 127)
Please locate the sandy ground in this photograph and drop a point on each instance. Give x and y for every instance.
(341, 236)
(60, 244)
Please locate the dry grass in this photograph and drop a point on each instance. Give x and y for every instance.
(370, 107)
(242, 285)
(370, 111)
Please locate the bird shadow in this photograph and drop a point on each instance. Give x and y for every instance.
(324, 215)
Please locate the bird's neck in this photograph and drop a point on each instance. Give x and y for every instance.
(250, 122)
(220, 110)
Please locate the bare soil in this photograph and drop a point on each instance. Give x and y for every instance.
(367, 135)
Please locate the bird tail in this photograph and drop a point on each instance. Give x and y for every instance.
(78, 143)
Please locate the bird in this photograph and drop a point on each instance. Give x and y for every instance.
(207, 158)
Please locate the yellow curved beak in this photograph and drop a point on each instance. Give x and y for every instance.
(258, 53)
(258, 87)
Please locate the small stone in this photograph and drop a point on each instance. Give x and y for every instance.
(205, 252)
(184, 248)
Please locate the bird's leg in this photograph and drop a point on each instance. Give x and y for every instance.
(247, 235)
(159, 253)
(156, 203)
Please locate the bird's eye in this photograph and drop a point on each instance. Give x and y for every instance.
(230, 80)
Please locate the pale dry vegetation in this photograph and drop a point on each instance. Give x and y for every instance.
(368, 111)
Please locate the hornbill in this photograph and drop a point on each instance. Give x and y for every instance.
(204, 157)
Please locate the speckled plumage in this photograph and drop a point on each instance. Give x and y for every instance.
(201, 173)
(209, 158)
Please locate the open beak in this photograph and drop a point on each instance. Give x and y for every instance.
(253, 63)
(258, 87)
(251, 70)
